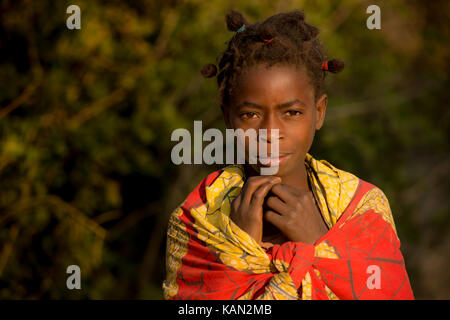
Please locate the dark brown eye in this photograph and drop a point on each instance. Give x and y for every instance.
(293, 112)
(248, 115)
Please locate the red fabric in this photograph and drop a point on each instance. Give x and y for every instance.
(360, 241)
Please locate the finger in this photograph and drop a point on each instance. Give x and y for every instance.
(288, 193)
(253, 183)
(295, 191)
(275, 219)
(259, 195)
(285, 193)
(236, 203)
(276, 204)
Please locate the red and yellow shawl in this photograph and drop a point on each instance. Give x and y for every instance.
(210, 257)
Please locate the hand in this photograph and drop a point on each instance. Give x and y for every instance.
(247, 207)
(294, 212)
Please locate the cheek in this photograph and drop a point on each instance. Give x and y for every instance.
(237, 123)
(301, 136)
(300, 131)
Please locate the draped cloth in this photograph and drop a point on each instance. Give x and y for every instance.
(209, 257)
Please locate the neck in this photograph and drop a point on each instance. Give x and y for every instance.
(296, 178)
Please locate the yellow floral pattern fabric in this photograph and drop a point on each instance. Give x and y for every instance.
(333, 190)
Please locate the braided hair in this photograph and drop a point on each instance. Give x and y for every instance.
(283, 38)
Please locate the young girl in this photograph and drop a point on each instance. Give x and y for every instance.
(311, 231)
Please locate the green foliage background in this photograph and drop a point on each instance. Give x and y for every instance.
(86, 117)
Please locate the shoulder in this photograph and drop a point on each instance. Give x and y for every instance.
(375, 199)
(365, 195)
(368, 192)
(214, 183)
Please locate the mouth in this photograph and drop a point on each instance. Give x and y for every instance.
(270, 161)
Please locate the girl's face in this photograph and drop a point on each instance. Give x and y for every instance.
(282, 98)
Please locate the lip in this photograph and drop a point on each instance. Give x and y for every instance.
(273, 161)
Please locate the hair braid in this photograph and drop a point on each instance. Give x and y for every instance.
(284, 38)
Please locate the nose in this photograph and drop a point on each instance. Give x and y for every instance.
(272, 127)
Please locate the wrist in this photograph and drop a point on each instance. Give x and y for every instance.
(305, 237)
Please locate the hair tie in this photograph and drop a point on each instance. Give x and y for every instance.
(267, 40)
(325, 65)
(241, 28)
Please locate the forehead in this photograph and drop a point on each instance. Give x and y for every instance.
(276, 84)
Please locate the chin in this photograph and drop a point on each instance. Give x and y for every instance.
(290, 164)
(281, 169)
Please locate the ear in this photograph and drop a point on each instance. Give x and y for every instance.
(321, 108)
(226, 115)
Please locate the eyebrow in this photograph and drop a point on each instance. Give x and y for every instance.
(279, 106)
